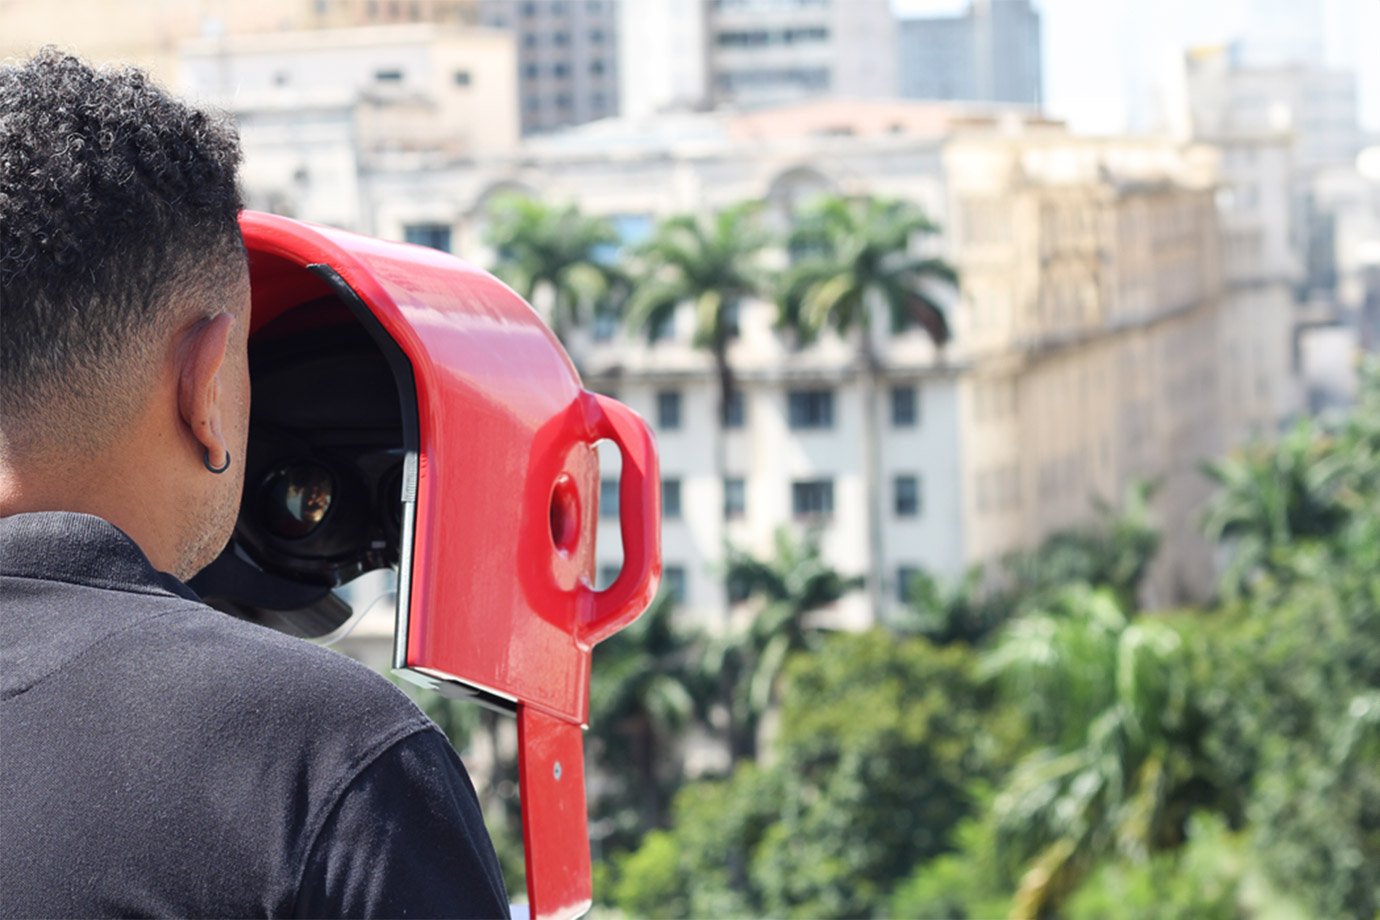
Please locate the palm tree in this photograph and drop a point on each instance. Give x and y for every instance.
(856, 258)
(1114, 551)
(962, 610)
(748, 662)
(711, 262)
(554, 252)
(1111, 699)
(1269, 497)
(644, 690)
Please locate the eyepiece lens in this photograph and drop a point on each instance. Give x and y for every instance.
(295, 499)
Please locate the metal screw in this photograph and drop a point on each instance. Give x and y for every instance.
(557, 770)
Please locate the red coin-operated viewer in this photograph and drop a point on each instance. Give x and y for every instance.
(417, 429)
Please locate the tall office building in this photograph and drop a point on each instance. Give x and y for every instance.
(667, 67)
(991, 53)
(567, 58)
(753, 53)
(1305, 108)
(1282, 32)
(771, 51)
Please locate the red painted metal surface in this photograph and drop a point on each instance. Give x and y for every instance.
(507, 505)
(558, 874)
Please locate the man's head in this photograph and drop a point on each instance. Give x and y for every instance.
(123, 307)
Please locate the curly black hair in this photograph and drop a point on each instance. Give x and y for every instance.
(118, 219)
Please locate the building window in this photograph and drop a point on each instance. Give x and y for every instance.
(436, 236)
(810, 408)
(560, 70)
(596, 68)
(596, 36)
(735, 410)
(663, 327)
(673, 582)
(388, 76)
(668, 410)
(812, 498)
(605, 325)
(906, 495)
(529, 41)
(462, 78)
(563, 101)
(739, 588)
(530, 71)
(560, 39)
(905, 574)
(733, 313)
(529, 10)
(670, 498)
(608, 498)
(905, 408)
(735, 498)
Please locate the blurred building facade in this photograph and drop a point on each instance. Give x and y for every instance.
(1309, 110)
(316, 107)
(149, 33)
(567, 58)
(990, 53)
(1095, 343)
(1095, 332)
(1288, 133)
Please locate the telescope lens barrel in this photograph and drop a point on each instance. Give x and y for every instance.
(295, 499)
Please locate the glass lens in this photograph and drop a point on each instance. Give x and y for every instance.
(295, 498)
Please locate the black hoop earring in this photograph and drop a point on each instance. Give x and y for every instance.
(206, 459)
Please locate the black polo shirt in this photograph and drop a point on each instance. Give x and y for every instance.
(158, 758)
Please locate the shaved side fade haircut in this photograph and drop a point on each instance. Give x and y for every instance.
(118, 223)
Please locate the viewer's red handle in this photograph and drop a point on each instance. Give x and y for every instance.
(639, 507)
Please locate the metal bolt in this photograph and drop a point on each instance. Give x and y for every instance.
(557, 770)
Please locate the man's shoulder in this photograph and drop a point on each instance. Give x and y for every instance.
(249, 680)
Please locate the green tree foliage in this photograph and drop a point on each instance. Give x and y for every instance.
(1109, 699)
(747, 662)
(1083, 759)
(1113, 551)
(643, 693)
(1203, 880)
(870, 773)
(966, 610)
(879, 764)
(1270, 498)
(967, 883)
(1296, 715)
(552, 252)
(700, 868)
(856, 254)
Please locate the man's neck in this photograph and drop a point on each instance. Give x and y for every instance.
(116, 490)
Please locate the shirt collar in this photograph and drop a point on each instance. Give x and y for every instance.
(81, 549)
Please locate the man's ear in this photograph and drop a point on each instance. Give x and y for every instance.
(202, 355)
